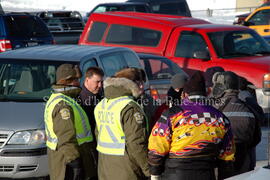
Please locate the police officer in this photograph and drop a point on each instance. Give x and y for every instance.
(122, 132)
(67, 127)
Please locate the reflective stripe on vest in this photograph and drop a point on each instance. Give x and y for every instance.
(239, 114)
(111, 137)
(82, 126)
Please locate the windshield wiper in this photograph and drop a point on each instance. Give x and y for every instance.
(16, 99)
(262, 52)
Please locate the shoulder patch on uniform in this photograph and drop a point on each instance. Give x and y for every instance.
(65, 113)
(138, 117)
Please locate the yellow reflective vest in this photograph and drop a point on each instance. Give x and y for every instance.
(111, 137)
(82, 126)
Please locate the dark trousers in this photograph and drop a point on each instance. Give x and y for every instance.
(74, 173)
(188, 174)
(242, 161)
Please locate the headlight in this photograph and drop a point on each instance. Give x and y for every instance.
(266, 84)
(48, 15)
(34, 137)
(75, 15)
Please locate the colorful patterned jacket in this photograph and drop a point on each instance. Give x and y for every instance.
(193, 130)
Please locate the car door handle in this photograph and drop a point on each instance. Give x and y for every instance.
(266, 30)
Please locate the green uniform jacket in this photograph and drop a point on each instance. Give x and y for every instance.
(67, 147)
(133, 165)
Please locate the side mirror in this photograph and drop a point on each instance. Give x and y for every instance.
(204, 55)
(247, 23)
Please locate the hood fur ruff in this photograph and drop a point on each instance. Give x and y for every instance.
(123, 83)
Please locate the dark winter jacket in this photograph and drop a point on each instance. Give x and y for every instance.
(243, 127)
(252, 104)
(88, 102)
(242, 119)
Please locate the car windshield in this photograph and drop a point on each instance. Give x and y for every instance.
(27, 80)
(126, 7)
(238, 44)
(173, 8)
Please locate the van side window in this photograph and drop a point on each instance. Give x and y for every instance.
(89, 63)
(97, 31)
(131, 59)
(119, 34)
(189, 43)
(113, 63)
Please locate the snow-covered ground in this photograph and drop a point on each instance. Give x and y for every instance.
(198, 7)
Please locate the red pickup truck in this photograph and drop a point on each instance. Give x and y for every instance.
(193, 44)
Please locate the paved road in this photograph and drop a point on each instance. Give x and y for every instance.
(261, 150)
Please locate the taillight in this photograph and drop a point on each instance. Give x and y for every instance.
(5, 45)
(266, 84)
(154, 94)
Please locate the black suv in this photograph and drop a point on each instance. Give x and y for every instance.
(66, 26)
(172, 7)
(19, 30)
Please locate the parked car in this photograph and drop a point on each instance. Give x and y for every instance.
(159, 71)
(240, 19)
(173, 7)
(259, 20)
(19, 30)
(66, 26)
(26, 76)
(193, 44)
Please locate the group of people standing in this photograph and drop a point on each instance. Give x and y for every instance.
(112, 130)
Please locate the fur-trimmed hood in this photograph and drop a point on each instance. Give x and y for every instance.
(115, 87)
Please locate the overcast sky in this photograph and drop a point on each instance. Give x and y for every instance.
(87, 5)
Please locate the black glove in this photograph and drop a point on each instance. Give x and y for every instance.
(75, 171)
(77, 163)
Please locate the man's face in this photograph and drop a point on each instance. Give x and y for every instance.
(94, 83)
(141, 86)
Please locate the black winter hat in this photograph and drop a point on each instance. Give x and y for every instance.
(179, 80)
(195, 85)
(243, 83)
(224, 81)
(208, 75)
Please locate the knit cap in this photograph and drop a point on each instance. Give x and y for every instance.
(195, 85)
